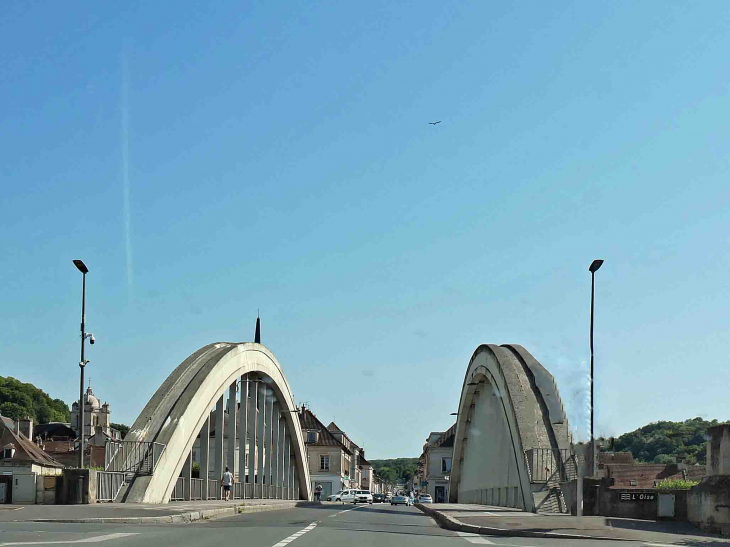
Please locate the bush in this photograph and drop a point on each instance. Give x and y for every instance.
(676, 484)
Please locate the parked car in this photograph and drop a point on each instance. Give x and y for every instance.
(425, 498)
(378, 498)
(400, 499)
(334, 497)
(356, 496)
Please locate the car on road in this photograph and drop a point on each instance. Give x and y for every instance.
(425, 498)
(400, 499)
(334, 497)
(356, 496)
(378, 498)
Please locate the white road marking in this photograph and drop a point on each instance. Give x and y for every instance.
(96, 539)
(295, 535)
(475, 538)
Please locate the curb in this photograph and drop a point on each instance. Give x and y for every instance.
(181, 518)
(455, 525)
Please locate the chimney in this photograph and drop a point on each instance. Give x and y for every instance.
(25, 426)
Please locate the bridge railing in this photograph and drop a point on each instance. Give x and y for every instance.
(178, 493)
(549, 464)
(138, 457)
(108, 485)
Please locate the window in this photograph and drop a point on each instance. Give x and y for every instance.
(311, 436)
(324, 463)
(445, 465)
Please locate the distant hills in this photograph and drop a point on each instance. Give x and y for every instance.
(18, 400)
(664, 441)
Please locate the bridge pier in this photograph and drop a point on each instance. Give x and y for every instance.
(243, 436)
(275, 450)
(261, 396)
(232, 410)
(204, 453)
(187, 475)
(218, 448)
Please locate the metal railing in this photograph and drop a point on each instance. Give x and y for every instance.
(197, 487)
(248, 489)
(214, 489)
(108, 485)
(548, 464)
(138, 457)
(178, 493)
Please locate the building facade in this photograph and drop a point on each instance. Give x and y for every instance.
(27, 473)
(329, 459)
(436, 465)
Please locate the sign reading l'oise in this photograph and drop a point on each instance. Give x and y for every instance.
(638, 496)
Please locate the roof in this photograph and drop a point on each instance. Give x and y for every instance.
(446, 439)
(309, 421)
(334, 428)
(25, 450)
(362, 461)
(53, 429)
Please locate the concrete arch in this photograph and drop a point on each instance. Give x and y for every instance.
(509, 413)
(180, 407)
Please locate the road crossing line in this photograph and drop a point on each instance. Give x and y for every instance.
(295, 535)
(95, 539)
(475, 538)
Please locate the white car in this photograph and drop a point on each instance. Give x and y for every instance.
(425, 498)
(356, 496)
(334, 497)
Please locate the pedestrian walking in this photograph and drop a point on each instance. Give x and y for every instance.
(318, 492)
(227, 481)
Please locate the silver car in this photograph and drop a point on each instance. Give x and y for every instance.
(400, 499)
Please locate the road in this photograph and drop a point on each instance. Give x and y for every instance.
(327, 525)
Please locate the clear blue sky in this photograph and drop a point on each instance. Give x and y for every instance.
(207, 161)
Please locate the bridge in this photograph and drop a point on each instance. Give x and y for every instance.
(254, 412)
(512, 445)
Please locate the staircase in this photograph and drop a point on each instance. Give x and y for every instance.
(547, 468)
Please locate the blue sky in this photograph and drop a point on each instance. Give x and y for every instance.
(206, 162)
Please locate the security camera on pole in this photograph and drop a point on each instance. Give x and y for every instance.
(82, 364)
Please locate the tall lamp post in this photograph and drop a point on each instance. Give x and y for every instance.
(595, 265)
(82, 364)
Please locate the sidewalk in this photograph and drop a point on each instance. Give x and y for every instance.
(137, 513)
(505, 521)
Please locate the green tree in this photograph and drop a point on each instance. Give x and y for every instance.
(123, 429)
(18, 400)
(665, 441)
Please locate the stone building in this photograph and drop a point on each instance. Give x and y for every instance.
(95, 415)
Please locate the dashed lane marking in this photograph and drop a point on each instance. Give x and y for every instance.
(295, 535)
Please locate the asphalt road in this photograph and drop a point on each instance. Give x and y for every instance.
(327, 525)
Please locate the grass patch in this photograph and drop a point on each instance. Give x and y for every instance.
(676, 484)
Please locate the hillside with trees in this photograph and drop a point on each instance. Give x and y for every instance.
(395, 470)
(664, 441)
(18, 400)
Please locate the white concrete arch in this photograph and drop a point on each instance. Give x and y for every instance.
(179, 409)
(509, 404)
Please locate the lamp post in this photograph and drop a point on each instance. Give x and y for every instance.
(82, 364)
(593, 268)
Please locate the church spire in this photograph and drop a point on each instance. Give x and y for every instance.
(257, 335)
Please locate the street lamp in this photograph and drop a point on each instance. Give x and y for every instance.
(595, 265)
(82, 364)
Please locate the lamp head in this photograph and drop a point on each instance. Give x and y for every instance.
(595, 265)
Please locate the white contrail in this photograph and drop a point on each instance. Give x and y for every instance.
(125, 172)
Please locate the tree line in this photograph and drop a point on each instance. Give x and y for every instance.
(395, 470)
